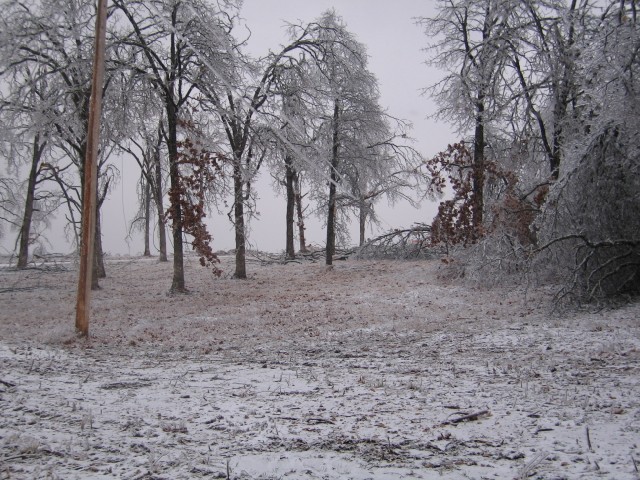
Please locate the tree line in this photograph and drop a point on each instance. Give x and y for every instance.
(544, 95)
(200, 117)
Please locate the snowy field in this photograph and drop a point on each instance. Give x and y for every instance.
(371, 370)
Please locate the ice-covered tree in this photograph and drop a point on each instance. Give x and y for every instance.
(25, 117)
(468, 41)
(145, 147)
(247, 100)
(563, 167)
(590, 225)
(183, 48)
(52, 40)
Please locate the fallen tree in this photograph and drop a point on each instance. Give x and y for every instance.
(411, 242)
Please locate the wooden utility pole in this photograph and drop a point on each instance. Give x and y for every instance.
(91, 175)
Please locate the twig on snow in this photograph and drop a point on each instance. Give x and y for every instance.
(464, 418)
(543, 429)
(7, 384)
(22, 456)
(316, 421)
(588, 439)
(16, 289)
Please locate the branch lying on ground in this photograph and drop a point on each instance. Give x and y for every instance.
(464, 418)
(599, 268)
(16, 289)
(312, 256)
(400, 243)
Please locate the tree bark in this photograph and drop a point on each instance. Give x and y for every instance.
(25, 230)
(147, 217)
(177, 284)
(289, 182)
(363, 220)
(157, 195)
(331, 217)
(300, 213)
(554, 164)
(99, 270)
(478, 168)
(559, 115)
(238, 218)
(563, 94)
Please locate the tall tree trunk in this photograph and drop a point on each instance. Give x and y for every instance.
(177, 284)
(364, 212)
(563, 92)
(331, 217)
(99, 270)
(238, 218)
(559, 115)
(157, 196)
(290, 252)
(478, 168)
(147, 217)
(25, 229)
(300, 213)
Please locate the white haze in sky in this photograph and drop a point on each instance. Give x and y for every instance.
(395, 45)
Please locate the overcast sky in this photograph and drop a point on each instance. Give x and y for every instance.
(394, 44)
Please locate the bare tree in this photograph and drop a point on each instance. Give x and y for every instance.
(292, 133)
(470, 44)
(52, 39)
(559, 114)
(346, 95)
(145, 148)
(181, 44)
(544, 52)
(239, 105)
(332, 128)
(386, 166)
(24, 117)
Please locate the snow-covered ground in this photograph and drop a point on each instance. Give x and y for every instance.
(371, 370)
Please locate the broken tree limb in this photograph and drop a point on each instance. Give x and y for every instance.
(312, 256)
(465, 418)
(400, 243)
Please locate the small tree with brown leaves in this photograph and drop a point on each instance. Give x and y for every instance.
(509, 213)
(454, 222)
(199, 170)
